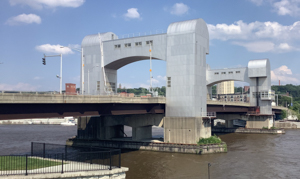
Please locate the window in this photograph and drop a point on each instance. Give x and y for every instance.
(238, 72)
(149, 42)
(169, 82)
(138, 43)
(231, 72)
(216, 73)
(118, 46)
(112, 37)
(98, 85)
(128, 45)
(223, 73)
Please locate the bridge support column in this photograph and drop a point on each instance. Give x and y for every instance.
(186, 130)
(94, 127)
(259, 122)
(139, 133)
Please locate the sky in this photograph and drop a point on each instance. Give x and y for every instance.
(239, 31)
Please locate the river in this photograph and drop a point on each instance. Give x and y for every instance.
(249, 155)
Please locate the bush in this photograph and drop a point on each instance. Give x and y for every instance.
(211, 140)
(265, 128)
(283, 114)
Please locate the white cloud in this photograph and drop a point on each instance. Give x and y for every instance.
(287, 7)
(254, 30)
(259, 46)
(179, 9)
(284, 46)
(257, 2)
(269, 36)
(285, 75)
(40, 4)
(37, 78)
(47, 48)
(282, 7)
(24, 19)
(132, 13)
(18, 87)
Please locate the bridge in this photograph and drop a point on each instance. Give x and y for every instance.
(185, 109)
(35, 105)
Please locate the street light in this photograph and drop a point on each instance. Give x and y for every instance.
(82, 65)
(89, 78)
(60, 77)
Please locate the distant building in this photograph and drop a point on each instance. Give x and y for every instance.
(246, 88)
(225, 87)
(71, 89)
(124, 94)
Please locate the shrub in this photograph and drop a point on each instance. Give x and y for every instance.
(211, 140)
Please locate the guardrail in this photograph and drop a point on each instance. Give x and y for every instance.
(53, 158)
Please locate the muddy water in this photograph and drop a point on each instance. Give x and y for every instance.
(249, 155)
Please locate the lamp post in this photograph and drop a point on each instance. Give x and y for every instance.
(82, 66)
(89, 78)
(60, 77)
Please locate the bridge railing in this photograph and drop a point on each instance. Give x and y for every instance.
(208, 114)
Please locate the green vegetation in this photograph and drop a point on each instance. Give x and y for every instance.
(265, 128)
(143, 91)
(225, 147)
(211, 140)
(19, 163)
(273, 128)
(283, 114)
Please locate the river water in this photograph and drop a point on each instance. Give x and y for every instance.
(249, 155)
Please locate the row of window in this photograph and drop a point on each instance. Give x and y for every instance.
(230, 72)
(136, 44)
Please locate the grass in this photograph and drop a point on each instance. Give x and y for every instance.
(211, 140)
(19, 163)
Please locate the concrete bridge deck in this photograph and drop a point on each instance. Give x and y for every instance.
(24, 105)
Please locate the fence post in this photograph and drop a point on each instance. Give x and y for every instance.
(66, 152)
(62, 163)
(31, 148)
(26, 173)
(119, 158)
(109, 159)
(44, 150)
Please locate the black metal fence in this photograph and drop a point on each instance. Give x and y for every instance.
(54, 158)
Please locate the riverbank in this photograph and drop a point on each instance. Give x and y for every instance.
(248, 131)
(37, 121)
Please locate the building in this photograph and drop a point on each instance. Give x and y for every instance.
(226, 87)
(70, 89)
(246, 89)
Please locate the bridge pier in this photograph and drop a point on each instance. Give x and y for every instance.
(109, 127)
(140, 133)
(252, 121)
(259, 122)
(186, 130)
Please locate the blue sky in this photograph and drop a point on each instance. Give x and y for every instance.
(239, 31)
